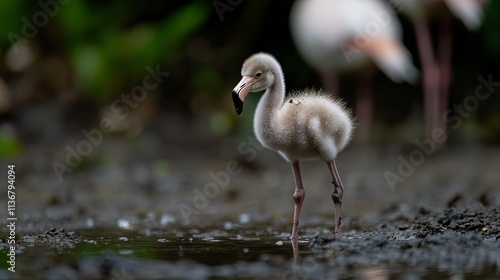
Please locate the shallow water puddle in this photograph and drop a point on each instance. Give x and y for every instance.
(237, 253)
(190, 254)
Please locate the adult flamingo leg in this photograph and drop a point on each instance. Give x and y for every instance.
(364, 108)
(445, 72)
(331, 81)
(431, 76)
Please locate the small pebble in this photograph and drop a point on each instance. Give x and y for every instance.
(244, 218)
(123, 223)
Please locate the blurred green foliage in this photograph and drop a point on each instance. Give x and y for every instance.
(110, 43)
(11, 13)
(9, 146)
(105, 52)
(490, 26)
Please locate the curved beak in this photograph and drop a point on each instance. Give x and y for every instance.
(240, 92)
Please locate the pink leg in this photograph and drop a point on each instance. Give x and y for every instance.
(430, 76)
(298, 199)
(364, 108)
(338, 191)
(331, 82)
(444, 57)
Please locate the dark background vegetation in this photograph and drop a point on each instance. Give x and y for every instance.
(91, 52)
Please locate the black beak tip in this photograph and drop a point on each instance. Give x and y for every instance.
(238, 104)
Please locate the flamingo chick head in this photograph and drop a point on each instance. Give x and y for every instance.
(257, 76)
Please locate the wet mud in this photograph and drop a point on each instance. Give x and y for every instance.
(454, 241)
(400, 243)
(118, 217)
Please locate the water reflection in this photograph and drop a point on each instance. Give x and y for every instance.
(316, 266)
(226, 254)
(301, 268)
(295, 250)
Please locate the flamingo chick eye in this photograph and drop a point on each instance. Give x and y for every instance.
(258, 74)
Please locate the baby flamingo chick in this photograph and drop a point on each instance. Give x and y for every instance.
(307, 125)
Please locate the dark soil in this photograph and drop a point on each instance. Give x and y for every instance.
(453, 241)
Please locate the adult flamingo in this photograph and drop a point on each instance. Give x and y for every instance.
(348, 36)
(436, 65)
